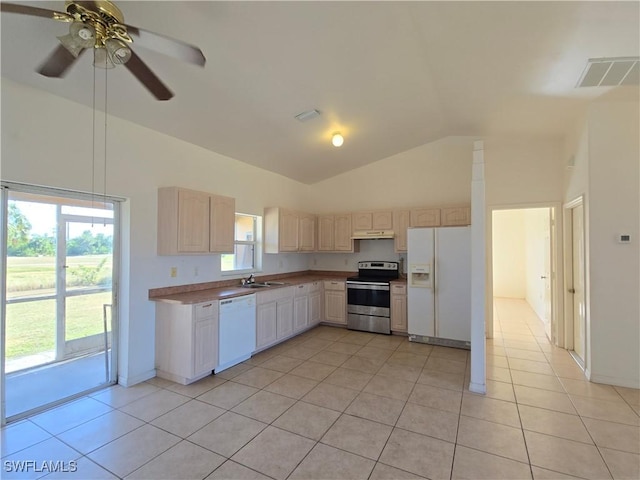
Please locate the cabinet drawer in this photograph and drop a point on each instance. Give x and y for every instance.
(334, 285)
(301, 290)
(398, 289)
(274, 294)
(206, 309)
(315, 286)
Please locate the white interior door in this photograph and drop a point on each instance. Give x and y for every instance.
(579, 313)
(547, 275)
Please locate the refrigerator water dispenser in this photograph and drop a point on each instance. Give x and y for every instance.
(420, 275)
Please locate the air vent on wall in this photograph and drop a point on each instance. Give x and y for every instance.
(610, 72)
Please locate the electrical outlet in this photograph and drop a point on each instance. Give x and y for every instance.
(346, 261)
(195, 271)
(174, 272)
(280, 263)
(315, 261)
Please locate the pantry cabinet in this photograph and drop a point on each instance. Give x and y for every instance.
(186, 341)
(192, 222)
(398, 307)
(335, 302)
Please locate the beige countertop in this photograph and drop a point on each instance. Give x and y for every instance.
(197, 293)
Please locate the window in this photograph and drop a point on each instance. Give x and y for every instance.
(246, 256)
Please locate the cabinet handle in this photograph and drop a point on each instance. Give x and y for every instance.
(206, 306)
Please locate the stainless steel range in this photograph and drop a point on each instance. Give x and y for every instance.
(369, 297)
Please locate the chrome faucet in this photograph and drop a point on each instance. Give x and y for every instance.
(251, 279)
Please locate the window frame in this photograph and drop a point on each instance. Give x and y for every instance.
(257, 247)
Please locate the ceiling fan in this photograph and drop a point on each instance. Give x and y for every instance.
(99, 25)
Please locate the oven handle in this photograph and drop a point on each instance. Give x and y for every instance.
(367, 286)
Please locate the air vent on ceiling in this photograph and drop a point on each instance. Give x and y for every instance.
(309, 115)
(610, 72)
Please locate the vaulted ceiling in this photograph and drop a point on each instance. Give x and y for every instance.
(389, 76)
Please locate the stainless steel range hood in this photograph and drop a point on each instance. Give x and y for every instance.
(372, 234)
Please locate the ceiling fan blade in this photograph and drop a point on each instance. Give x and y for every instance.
(149, 79)
(33, 11)
(167, 45)
(57, 64)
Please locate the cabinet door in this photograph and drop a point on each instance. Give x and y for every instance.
(266, 322)
(362, 221)
(342, 233)
(307, 234)
(300, 313)
(399, 313)
(315, 308)
(401, 221)
(193, 221)
(222, 224)
(205, 356)
(456, 216)
(284, 318)
(382, 220)
(288, 231)
(425, 217)
(335, 306)
(325, 233)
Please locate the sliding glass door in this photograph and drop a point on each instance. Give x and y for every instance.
(59, 318)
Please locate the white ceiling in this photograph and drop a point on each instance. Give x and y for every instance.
(389, 75)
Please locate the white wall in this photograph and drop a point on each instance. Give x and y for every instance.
(537, 258)
(438, 173)
(40, 147)
(509, 241)
(614, 269)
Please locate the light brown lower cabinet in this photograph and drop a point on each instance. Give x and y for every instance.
(335, 302)
(186, 341)
(398, 308)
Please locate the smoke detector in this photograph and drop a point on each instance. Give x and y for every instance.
(610, 72)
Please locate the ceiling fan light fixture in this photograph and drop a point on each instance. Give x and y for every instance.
(118, 51)
(337, 139)
(69, 42)
(101, 58)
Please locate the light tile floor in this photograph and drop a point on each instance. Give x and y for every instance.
(332, 403)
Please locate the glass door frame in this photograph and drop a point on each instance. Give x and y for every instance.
(5, 188)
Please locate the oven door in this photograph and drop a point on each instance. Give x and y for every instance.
(368, 298)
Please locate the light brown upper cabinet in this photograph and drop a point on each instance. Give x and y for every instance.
(334, 233)
(289, 231)
(455, 216)
(378, 220)
(401, 221)
(192, 222)
(425, 217)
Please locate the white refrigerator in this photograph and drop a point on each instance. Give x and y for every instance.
(439, 285)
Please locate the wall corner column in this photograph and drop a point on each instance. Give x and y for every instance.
(477, 383)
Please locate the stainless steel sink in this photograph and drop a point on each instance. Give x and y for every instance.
(276, 283)
(255, 285)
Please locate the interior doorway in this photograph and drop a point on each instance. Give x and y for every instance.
(523, 262)
(59, 298)
(575, 303)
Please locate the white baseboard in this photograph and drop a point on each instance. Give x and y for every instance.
(130, 381)
(617, 381)
(478, 387)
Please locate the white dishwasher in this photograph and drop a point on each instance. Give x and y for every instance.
(237, 331)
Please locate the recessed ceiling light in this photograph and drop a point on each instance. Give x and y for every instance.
(308, 115)
(337, 139)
